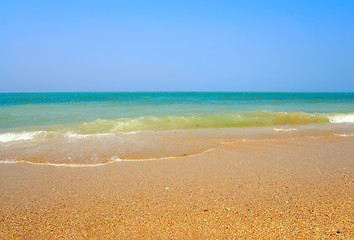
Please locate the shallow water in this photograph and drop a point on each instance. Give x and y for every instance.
(89, 129)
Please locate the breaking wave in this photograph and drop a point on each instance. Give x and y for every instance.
(107, 127)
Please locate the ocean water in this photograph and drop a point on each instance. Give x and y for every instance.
(33, 125)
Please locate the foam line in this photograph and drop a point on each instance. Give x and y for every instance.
(117, 159)
(9, 137)
(284, 129)
(59, 164)
(345, 135)
(114, 160)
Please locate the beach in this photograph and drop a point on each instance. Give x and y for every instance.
(176, 165)
(176, 120)
(280, 186)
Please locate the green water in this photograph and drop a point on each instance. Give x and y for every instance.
(86, 113)
(94, 129)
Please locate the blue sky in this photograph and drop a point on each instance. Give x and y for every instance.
(177, 45)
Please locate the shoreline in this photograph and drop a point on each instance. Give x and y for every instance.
(184, 156)
(153, 145)
(295, 188)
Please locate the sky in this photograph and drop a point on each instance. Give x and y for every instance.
(301, 45)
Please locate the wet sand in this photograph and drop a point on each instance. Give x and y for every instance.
(294, 188)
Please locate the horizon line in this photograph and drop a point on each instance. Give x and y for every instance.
(190, 91)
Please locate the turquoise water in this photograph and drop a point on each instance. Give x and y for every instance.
(91, 129)
(86, 113)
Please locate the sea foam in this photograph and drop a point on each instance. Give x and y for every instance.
(8, 137)
(345, 135)
(342, 118)
(284, 129)
(77, 135)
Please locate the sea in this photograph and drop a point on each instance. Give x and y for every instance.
(96, 128)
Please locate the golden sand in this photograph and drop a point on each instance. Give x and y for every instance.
(267, 189)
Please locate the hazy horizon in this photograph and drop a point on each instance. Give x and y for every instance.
(152, 91)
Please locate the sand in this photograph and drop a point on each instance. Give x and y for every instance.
(285, 188)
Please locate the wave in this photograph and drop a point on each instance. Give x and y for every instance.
(196, 121)
(108, 127)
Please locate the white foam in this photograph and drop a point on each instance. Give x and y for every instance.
(10, 161)
(116, 159)
(8, 137)
(60, 164)
(345, 135)
(77, 135)
(284, 129)
(342, 118)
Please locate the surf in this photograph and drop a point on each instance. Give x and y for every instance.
(110, 127)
